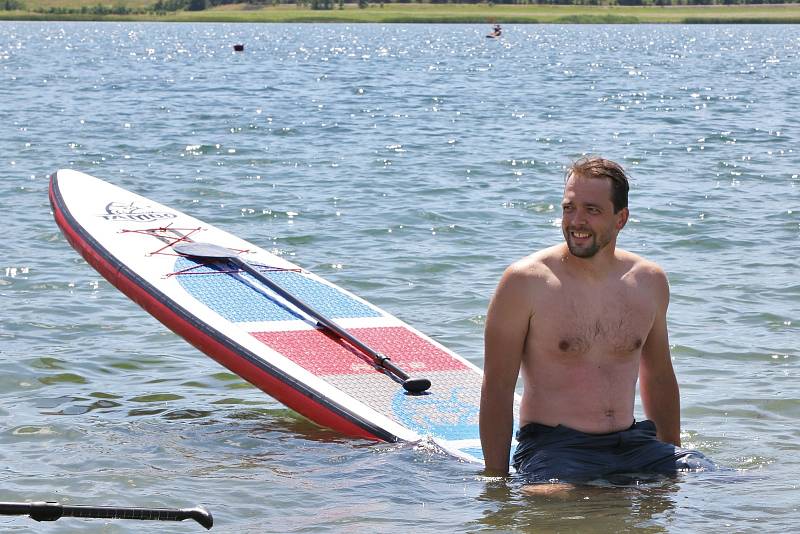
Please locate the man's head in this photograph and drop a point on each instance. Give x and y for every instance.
(595, 205)
(597, 167)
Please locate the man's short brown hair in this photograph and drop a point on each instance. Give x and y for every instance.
(597, 167)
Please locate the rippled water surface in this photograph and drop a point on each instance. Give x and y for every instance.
(409, 164)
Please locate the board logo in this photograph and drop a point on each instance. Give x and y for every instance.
(119, 211)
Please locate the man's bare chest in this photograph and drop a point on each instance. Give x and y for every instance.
(613, 322)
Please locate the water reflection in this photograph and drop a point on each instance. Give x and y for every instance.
(585, 508)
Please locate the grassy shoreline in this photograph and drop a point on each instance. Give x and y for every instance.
(430, 13)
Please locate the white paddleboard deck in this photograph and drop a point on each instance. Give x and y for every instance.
(258, 335)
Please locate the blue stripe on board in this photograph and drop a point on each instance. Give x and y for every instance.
(235, 300)
(443, 414)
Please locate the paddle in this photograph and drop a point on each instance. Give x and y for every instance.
(51, 511)
(215, 252)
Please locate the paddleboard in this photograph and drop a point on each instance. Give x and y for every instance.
(261, 336)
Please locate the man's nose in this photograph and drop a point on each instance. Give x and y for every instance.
(580, 216)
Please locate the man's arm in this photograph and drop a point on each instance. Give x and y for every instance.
(506, 328)
(657, 383)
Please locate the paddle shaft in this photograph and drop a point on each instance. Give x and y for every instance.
(381, 359)
(52, 511)
(210, 251)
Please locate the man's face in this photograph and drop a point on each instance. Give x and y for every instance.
(588, 219)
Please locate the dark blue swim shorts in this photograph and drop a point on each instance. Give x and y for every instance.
(545, 453)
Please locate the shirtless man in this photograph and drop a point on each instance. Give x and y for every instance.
(582, 321)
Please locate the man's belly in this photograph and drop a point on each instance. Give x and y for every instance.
(591, 415)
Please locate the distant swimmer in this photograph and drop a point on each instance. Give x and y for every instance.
(496, 32)
(583, 321)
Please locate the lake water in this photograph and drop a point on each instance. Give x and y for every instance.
(409, 164)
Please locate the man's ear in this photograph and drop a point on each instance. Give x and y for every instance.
(622, 218)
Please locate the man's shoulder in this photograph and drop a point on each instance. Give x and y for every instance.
(641, 268)
(538, 265)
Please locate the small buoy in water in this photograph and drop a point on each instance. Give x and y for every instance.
(238, 47)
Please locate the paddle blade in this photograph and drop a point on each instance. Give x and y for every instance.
(201, 515)
(204, 250)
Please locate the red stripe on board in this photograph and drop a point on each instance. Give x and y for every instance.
(283, 392)
(324, 354)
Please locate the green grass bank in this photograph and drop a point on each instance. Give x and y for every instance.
(141, 10)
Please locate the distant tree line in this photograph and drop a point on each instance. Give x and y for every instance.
(197, 5)
(330, 4)
(99, 9)
(170, 6)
